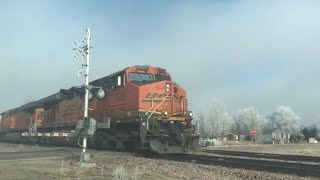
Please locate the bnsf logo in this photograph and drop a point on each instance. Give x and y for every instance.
(156, 95)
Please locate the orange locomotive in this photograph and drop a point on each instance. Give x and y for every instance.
(143, 109)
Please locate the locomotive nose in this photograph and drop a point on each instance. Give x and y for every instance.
(165, 98)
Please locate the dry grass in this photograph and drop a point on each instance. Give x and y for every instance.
(119, 173)
(136, 174)
(70, 170)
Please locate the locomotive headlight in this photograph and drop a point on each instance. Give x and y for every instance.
(165, 114)
(167, 87)
(190, 114)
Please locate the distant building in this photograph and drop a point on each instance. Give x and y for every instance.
(268, 135)
(265, 135)
(313, 141)
(230, 137)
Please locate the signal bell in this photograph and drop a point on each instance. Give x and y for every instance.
(101, 94)
(90, 95)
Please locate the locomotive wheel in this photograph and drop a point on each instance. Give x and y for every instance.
(195, 144)
(130, 146)
(99, 141)
(112, 145)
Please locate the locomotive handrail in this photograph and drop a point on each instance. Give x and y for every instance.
(34, 127)
(150, 108)
(164, 99)
(30, 125)
(183, 101)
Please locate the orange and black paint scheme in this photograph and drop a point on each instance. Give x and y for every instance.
(143, 110)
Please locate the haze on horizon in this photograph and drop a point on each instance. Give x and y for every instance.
(244, 53)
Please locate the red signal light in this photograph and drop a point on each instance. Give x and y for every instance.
(185, 123)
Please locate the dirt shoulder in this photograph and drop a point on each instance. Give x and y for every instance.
(291, 149)
(110, 165)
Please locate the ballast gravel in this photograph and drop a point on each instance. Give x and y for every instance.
(150, 168)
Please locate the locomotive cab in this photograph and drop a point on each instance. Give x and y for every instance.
(163, 109)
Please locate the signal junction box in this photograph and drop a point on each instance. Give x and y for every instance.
(85, 127)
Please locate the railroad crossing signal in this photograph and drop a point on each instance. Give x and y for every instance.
(84, 50)
(253, 131)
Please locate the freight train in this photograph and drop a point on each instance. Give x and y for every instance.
(143, 109)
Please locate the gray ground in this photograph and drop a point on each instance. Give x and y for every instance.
(35, 162)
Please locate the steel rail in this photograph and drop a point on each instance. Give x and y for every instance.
(293, 168)
(286, 157)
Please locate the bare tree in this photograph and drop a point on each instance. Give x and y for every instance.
(285, 120)
(246, 119)
(218, 121)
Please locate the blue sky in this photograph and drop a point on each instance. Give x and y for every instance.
(244, 53)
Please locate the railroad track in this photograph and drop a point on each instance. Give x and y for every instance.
(293, 168)
(284, 157)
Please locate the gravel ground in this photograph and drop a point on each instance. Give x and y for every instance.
(111, 164)
(146, 168)
(195, 171)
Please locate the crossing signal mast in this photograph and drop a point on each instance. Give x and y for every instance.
(86, 127)
(84, 50)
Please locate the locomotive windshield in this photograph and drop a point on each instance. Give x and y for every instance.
(160, 77)
(141, 78)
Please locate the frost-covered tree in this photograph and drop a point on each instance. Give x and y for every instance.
(218, 120)
(285, 120)
(202, 124)
(238, 126)
(246, 119)
(318, 129)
